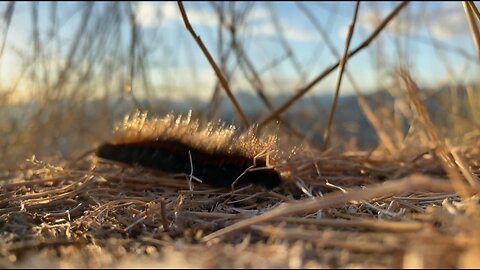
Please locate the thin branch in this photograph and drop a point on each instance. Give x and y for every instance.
(220, 77)
(81, 31)
(8, 19)
(470, 13)
(134, 39)
(367, 111)
(325, 73)
(275, 62)
(284, 43)
(254, 79)
(343, 63)
(475, 10)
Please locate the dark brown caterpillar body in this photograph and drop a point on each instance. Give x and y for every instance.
(218, 170)
(212, 154)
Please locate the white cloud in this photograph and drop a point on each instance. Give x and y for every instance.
(202, 16)
(257, 22)
(371, 19)
(267, 29)
(257, 14)
(449, 23)
(444, 22)
(296, 33)
(150, 14)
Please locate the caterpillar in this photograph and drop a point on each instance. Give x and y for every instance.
(212, 153)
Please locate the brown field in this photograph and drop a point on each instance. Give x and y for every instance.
(412, 201)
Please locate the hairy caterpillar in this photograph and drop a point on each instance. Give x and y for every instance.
(211, 153)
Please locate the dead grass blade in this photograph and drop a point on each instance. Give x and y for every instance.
(409, 184)
(8, 19)
(325, 73)
(442, 150)
(471, 11)
(134, 40)
(474, 9)
(473, 100)
(252, 76)
(373, 119)
(81, 31)
(343, 63)
(283, 41)
(209, 57)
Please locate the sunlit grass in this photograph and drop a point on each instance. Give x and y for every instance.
(396, 188)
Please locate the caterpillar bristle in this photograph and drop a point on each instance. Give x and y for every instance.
(176, 144)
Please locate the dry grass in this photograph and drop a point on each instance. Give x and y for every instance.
(102, 214)
(411, 202)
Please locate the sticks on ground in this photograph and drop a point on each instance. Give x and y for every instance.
(411, 183)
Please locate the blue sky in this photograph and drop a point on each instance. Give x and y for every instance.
(179, 69)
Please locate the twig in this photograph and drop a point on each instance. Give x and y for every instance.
(470, 12)
(220, 77)
(67, 213)
(245, 63)
(8, 20)
(320, 77)
(366, 223)
(474, 9)
(133, 48)
(191, 176)
(411, 183)
(367, 111)
(140, 219)
(343, 63)
(283, 41)
(163, 209)
(63, 74)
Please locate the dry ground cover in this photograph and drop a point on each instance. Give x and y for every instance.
(416, 207)
(412, 201)
(99, 214)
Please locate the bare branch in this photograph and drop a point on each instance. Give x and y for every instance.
(343, 64)
(8, 19)
(470, 12)
(220, 77)
(325, 73)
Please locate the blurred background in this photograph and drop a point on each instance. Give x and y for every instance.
(70, 70)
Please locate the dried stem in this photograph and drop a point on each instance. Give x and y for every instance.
(474, 9)
(246, 65)
(368, 112)
(325, 73)
(133, 48)
(412, 183)
(471, 11)
(442, 150)
(8, 19)
(220, 77)
(343, 63)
